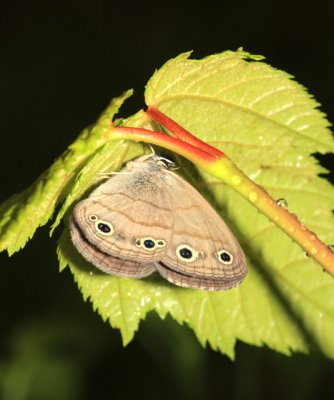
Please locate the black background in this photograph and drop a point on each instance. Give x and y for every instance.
(61, 63)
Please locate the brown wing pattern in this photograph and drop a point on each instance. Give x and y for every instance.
(128, 216)
(198, 228)
(106, 262)
(149, 218)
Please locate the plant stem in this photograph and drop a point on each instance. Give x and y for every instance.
(225, 170)
(187, 150)
(179, 132)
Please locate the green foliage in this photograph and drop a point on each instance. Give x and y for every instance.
(23, 213)
(269, 126)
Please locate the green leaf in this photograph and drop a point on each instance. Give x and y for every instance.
(23, 213)
(270, 126)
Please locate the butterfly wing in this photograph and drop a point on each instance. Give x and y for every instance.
(106, 262)
(123, 224)
(151, 218)
(203, 252)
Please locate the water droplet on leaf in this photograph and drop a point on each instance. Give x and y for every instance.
(314, 251)
(236, 180)
(282, 203)
(253, 197)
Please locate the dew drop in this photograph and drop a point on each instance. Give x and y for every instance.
(142, 302)
(253, 197)
(291, 229)
(314, 251)
(236, 180)
(313, 237)
(91, 273)
(331, 247)
(282, 203)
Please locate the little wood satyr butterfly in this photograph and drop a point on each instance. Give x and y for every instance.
(149, 219)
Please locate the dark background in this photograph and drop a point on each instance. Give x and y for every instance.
(61, 62)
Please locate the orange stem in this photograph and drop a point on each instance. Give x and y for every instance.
(179, 132)
(192, 153)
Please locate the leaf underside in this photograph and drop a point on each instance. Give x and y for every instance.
(269, 126)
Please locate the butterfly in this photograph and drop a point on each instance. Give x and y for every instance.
(149, 219)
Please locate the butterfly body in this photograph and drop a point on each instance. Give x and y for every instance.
(149, 219)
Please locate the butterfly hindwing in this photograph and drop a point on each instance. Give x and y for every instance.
(203, 251)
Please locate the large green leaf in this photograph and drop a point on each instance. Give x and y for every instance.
(23, 213)
(269, 125)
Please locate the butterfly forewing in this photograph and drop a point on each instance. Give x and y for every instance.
(106, 262)
(123, 218)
